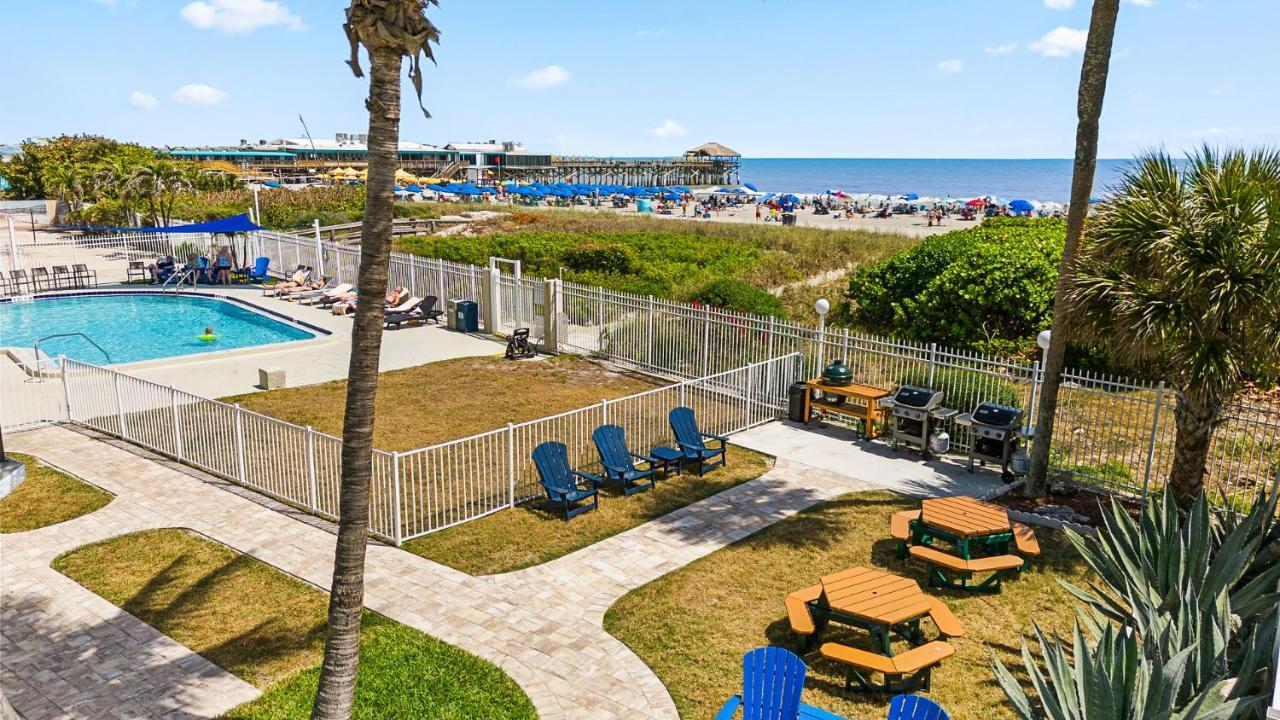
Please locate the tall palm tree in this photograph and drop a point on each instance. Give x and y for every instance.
(112, 180)
(1181, 270)
(68, 183)
(1093, 88)
(389, 30)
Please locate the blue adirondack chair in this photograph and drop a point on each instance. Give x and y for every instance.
(258, 273)
(619, 462)
(562, 482)
(692, 441)
(772, 678)
(915, 707)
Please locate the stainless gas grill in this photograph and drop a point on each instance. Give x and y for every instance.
(914, 410)
(996, 434)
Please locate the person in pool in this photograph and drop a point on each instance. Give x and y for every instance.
(208, 335)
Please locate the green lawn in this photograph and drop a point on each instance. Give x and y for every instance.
(267, 628)
(428, 404)
(693, 626)
(48, 496)
(486, 546)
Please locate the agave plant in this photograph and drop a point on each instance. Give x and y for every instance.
(1182, 618)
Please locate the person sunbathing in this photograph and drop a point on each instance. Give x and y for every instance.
(286, 292)
(395, 296)
(298, 280)
(345, 303)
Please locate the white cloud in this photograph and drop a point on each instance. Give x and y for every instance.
(238, 16)
(1001, 49)
(139, 99)
(668, 130)
(1061, 42)
(950, 67)
(546, 77)
(198, 94)
(1215, 91)
(1059, 4)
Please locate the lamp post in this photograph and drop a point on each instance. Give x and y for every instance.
(822, 307)
(1043, 341)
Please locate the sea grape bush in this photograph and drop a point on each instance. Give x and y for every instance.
(988, 287)
(732, 294)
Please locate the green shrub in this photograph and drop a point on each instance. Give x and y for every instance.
(988, 287)
(731, 294)
(606, 257)
(964, 389)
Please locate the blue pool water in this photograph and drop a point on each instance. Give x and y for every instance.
(136, 327)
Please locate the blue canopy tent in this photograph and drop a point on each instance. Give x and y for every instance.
(234, 224)
(1021, 206)
(670, 195)
(414, 188)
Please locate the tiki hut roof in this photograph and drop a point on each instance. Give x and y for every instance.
(712, 150)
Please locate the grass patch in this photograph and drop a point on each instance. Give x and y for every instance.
(440, 401)
(484, 546)
(659, 257)
(693, 626)
(48, 496)
(267, 628)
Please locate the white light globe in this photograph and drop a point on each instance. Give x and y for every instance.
(822, 306)
(1043, 339)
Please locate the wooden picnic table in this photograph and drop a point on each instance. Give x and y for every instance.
(877, 601)
(865, 405)
(962, 520)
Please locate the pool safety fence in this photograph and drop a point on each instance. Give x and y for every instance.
(1112, 432)
(412, 493)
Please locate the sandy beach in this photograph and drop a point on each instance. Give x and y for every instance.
(914, 225)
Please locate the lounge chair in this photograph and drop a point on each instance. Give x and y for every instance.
(914, 707)
(316, 296)
(429, 309)
(17, 279)
(565, 486)
(62, 274)
(692, 443)
(331, 297)
(40, 276)
(619, 462)
(406, 311)
(303, 292)
(138, 268)
(772, 680)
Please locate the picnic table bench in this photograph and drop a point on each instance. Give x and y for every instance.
(968, 525)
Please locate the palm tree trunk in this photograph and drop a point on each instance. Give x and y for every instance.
(335, 696)
(1194, 419)
(1093, 87)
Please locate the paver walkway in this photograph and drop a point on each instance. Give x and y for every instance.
(543, 626)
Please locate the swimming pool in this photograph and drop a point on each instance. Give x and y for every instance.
(132, 327)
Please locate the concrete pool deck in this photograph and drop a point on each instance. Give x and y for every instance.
(304, 362)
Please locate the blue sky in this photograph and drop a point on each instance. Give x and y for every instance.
(771, 78)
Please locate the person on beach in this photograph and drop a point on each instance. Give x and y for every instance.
(757, 212)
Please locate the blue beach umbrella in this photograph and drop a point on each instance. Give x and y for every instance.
(911, 196)
(751, 187)
(1021, 206)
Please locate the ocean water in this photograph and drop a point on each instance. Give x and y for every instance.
(1046, 180)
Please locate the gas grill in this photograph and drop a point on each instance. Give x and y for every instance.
(996, 434)
(914, 411)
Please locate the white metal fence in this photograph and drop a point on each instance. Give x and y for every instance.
(413, 493)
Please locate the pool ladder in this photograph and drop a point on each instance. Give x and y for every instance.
(181, 278)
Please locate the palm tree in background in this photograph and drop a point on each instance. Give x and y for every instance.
(1181, 270)
(158, 183)
(68, 183)
(389, 30)
(1093, 87)
(111, 181)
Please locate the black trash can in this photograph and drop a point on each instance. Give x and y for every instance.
(795, 402)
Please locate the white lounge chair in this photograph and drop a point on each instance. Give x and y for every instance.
(325, 294)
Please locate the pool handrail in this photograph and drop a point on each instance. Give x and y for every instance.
(36, 346)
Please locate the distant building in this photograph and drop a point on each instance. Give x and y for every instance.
(711, 150)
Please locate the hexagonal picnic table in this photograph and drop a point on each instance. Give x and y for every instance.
(961, 521)
(877, 601)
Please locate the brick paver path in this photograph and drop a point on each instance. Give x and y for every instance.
(543, 626)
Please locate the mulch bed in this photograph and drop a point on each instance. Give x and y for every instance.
(1086, 502)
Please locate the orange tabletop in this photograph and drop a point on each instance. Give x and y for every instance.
(875, 596)
(964, 516)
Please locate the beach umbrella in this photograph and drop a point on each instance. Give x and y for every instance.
(1021, 206)
(976, 202)
(751, 187)
(911, 196)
